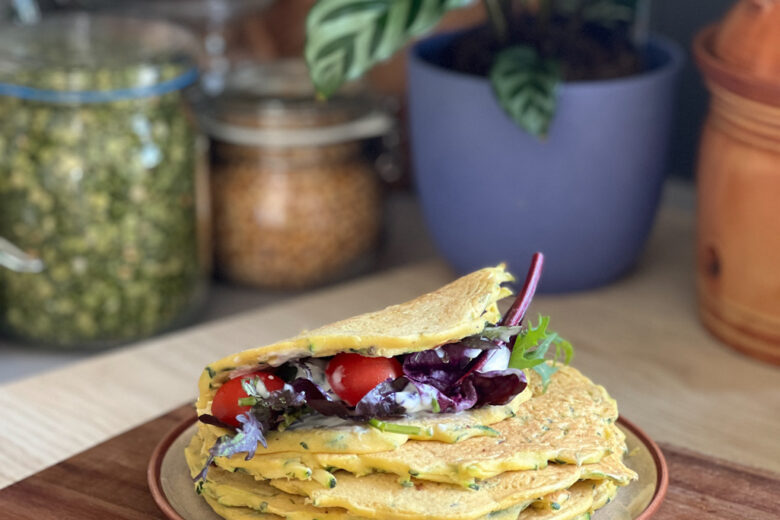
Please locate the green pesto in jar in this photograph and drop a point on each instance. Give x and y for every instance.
(105, 193)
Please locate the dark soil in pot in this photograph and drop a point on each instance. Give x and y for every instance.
(585, 52)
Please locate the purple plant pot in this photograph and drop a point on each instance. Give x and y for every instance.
(586, 196)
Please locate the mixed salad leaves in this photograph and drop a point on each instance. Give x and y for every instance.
(485, 369)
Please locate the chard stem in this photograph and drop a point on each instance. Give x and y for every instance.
(383, 426)
(514, 316)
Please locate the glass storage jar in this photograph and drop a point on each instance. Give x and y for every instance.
(296, 195)
(103, 188)
(215, 23)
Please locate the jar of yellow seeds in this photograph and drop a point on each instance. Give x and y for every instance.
(296, 190)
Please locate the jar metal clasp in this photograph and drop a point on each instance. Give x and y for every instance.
(17, 260)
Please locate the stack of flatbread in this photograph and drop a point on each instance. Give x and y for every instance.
(551, 453)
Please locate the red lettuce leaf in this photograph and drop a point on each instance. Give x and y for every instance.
(381, 400)
(244, 441)
(318, 400)
(441, 367)
(498, 387)
(459, 384)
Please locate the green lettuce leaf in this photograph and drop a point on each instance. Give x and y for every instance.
(501, 333)
(532, 347)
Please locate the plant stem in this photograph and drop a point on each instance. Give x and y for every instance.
(395, 428)
(498, 15)
(545, 16)
(641, 23)
(514, 316)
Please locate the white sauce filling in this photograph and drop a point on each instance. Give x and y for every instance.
(318, 377)
(498, 359)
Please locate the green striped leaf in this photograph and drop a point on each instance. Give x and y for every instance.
(345, 38)
(525, 85)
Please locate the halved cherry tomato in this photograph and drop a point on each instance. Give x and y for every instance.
(352, 376)
(225, 405)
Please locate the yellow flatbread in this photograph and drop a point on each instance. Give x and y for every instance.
(378, 495)
(573, 503)
(238, 496)
(490, 463)
(334, 435)
(573, 421)
(457, 310)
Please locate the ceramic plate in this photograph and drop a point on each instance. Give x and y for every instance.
(171, 485)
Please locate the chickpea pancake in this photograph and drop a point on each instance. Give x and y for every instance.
(457, 310)
(440, 408)
(239, 496)
(379, 495)
(572, 421)
(574, 503)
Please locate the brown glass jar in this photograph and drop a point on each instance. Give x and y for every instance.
(296, 196)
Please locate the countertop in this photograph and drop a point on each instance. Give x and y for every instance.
(405, 241)
(640, 337)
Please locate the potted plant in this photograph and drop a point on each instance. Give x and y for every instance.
(546, 130)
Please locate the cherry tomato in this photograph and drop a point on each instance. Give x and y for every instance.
(352, 376)
(225, 404)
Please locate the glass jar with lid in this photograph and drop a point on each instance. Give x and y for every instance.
(215, 23)
(295, 189)
(103, 190)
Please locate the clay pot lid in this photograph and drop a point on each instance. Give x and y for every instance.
(742, 53)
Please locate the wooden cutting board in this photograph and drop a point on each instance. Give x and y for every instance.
(109, 482)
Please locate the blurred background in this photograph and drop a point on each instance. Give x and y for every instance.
(251, 30)
(169, 162)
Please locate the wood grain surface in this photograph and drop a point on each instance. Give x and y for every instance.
(640, 338)
(109, 481)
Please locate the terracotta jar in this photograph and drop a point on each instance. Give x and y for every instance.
(738, 244)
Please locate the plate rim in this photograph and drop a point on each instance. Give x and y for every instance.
(153, 470)
(662, 469)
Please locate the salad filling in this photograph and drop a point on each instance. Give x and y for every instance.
(480, 370)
